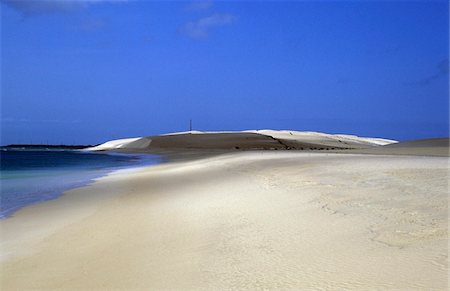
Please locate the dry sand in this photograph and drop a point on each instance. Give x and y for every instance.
(244, 220)
(438, 147)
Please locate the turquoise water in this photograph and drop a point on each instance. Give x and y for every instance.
(33, 176)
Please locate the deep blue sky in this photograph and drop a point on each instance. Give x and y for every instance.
(87, 72)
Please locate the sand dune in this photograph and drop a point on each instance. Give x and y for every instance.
(431, 142)
(244, 140)
(116, 144)
(425, 147)
(275, 140)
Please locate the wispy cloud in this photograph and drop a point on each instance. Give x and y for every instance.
(199, 5)
(442, 70)
(33, 7)
(40, 7)
(93, 24)
(18, 120)
(201, 28)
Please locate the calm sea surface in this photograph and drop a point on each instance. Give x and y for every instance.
(33, 176)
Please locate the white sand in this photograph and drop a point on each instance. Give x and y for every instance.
(248, 220)
(323, 138)
(122, 143)
(249, 139)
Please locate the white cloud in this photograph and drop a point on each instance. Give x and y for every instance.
(199, 5)
(39, 7)
(202, 27)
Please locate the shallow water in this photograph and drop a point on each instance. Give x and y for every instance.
(32, 176)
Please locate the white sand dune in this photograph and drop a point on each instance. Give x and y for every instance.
(251, 139)
(116, 144)
(423, 147)
(243, 220)
(276, 140)
(324, 138)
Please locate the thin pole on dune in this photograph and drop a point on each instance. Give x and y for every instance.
(190, 124)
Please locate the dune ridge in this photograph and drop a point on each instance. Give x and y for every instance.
(213, 142)
(245, 140)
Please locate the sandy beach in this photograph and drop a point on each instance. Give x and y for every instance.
(242, 220)
(224, 145)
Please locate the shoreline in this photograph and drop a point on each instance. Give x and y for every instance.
(50, 183)
(72, 205)
(240, 220)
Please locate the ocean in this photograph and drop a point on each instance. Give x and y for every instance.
(33, 176)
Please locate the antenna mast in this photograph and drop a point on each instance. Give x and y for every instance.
(190, 124)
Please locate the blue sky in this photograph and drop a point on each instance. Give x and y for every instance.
(91, 71)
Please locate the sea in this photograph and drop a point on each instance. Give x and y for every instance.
(30, 176)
